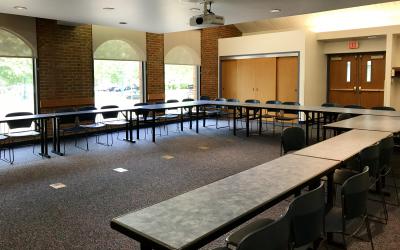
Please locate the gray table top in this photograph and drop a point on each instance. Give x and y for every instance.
(178, 222)
(369, 122)
(344, 146)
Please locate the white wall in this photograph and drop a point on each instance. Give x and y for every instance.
(183, 47)
(365, 45)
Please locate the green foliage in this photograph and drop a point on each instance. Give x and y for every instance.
(15, 71)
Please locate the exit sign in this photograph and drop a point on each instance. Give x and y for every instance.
(353, 44)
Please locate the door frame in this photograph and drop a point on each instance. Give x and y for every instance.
(254, 56)
(328, 72)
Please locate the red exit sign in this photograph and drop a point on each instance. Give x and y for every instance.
(353, 44)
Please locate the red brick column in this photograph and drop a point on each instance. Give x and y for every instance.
(155, 66)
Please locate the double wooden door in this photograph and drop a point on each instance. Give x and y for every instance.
(260, 78)
(357, 79)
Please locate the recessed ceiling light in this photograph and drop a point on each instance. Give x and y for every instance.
(108, 8)
(371, 37)
(194, 9)
(20, 8)
(123, 23)
(275, 11)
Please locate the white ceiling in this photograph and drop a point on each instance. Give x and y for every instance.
(163, 16)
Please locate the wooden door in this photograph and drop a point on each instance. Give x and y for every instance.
(265, 79)
(287, 78)
(343, 82)
(371, 79)
(246, 79)
(229, 78)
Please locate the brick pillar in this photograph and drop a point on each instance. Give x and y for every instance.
(65, 63)
(209, 57)
(155, 67)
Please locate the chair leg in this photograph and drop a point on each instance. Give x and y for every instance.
(367, 224)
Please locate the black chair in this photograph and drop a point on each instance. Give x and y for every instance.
(254, 113)
(204, 98)
(88, 122)
(20, 129)
(306, 216)
(386, 151)
(3, 148)
(274, 112)
(112, 120)
(353, 106)
(282, 115)
(341, 117)
(354, 196)
(384, 108)
(269, 235)
(222, 112)
(68, 124)
(189, 112)
(326, 118)
(142, 115)
(293, 138)
(231, 110)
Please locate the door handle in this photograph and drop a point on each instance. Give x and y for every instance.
(359, 89)
(355, 89)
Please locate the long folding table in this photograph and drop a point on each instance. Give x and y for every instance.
(195, 218)
(369, 122)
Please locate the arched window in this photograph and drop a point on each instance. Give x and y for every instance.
(181, 73)
(16, 74)
(117, 74)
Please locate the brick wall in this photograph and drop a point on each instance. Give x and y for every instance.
(155, 66)
(65, 63)
(209, 57)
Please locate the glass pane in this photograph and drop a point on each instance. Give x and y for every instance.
(16, 85)
(348, 72)
(117, 83)
(11, 45)
(180, 81)
(116, 50)
(369, 71)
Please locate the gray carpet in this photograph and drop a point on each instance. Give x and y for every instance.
(35, 216)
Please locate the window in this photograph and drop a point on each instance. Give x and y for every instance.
(348, 72)
(118, 78)
(369, 71)
(181, 81)
(16, 75)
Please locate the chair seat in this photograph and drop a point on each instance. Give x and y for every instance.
(23, 133)
(115, 122)
(94, 125)
(333, 220)
(341, 175)
(3, 137)
(235, 238)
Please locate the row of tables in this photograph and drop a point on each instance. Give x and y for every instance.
(309, 111)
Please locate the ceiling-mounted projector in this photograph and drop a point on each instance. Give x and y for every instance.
(208, 18)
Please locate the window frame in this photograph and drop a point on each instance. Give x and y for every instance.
(198, 80)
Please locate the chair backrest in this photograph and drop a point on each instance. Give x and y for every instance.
(353, 106)
(273, 102)
(384, 108)
(232, 100)
(220, 99)
(188, 100)
(293, 138)
(354, 195)
(172, 101)
(110, 115)
(19, 123)
(274, 236)
(307, 217)
(329, 105)
(87, 117)
(343, 116)
(159, 102)
(370, 157)
(204, 98)
(252, 101)
(144, 113)
(291, 111)
(67, 119)
(385, 152)
(141, 104)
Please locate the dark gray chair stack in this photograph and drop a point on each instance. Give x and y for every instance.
(306, 223)
(354, 197)
(293, 138)
(283, 117)
(20, 129)
(111, 120)
(88, 123)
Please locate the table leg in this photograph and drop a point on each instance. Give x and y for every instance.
(318, 124)
(324, 129)
(54, 134)
(330, 191)
(143, 246)
(260, 123)
(197, 119)
(43, 138)
(153, 127)
(247, 123)
(190, 117)
(127, 127)
(234, 120)
(181, 119)
(137, 126)
(307, 128)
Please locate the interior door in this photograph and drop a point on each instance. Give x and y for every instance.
(265, 79)
(287, 74)
(371, 79)
(246, 79)
(343, 82)
(229, 78)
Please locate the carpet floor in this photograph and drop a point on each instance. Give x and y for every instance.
(35, 216)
